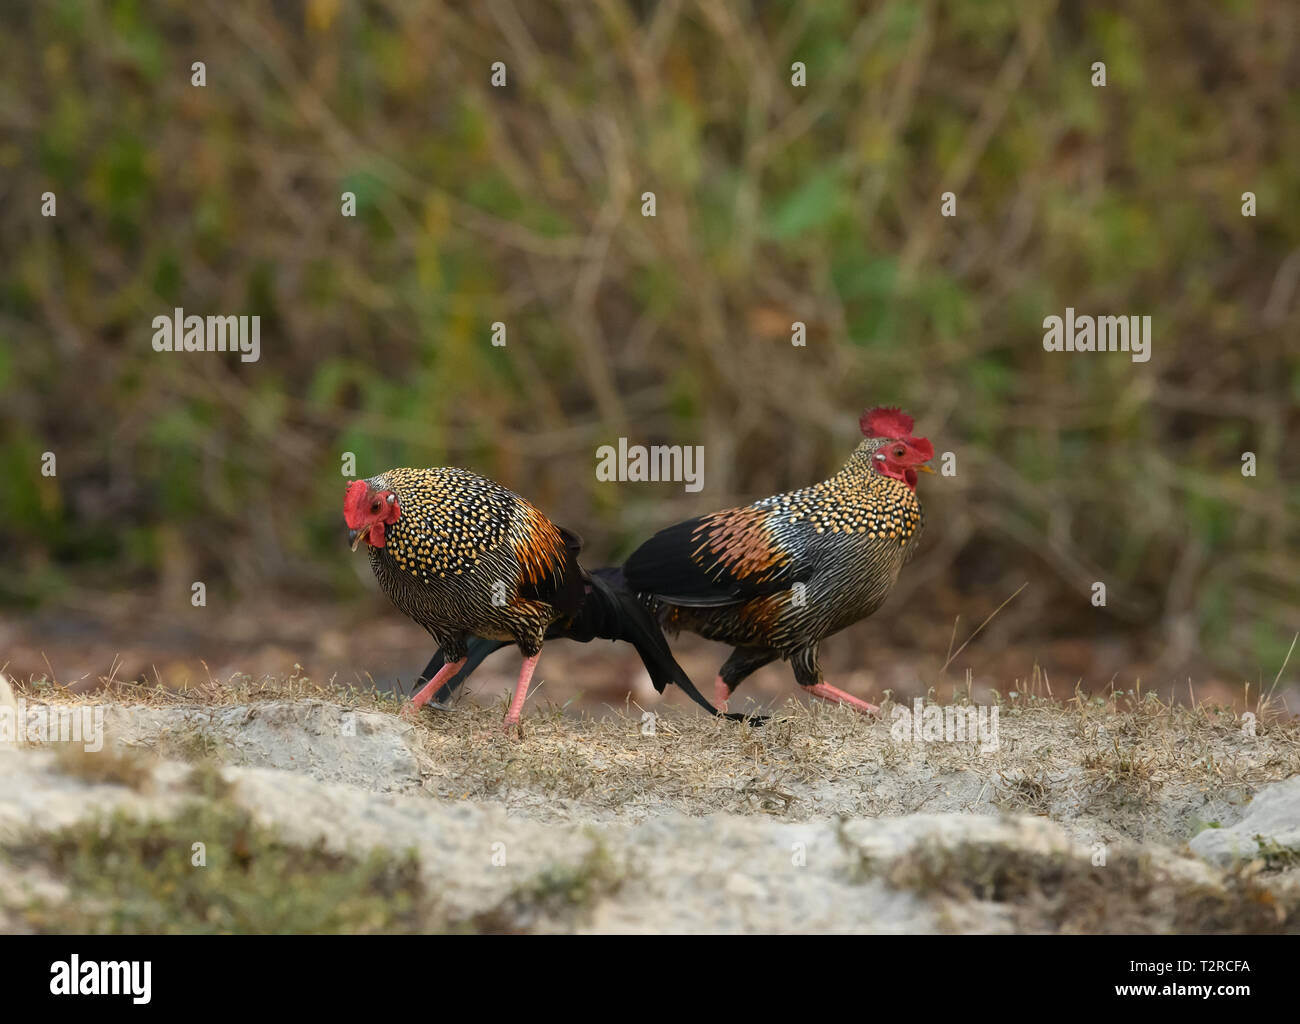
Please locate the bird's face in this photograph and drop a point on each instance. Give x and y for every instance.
(903, 459)
(897, 453)
(367, 510)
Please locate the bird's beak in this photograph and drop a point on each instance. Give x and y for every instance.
(357, 536)
(924, 469)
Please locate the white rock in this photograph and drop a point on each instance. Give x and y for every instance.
(1273, 816)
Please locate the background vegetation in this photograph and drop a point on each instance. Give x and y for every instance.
(775, 204)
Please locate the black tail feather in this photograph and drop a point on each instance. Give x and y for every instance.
(609, 611)
(617, 614)
(613, 613)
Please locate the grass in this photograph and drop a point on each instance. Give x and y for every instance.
(1064, 892)
(205, 780)
(110, 765)
(561, 894)
(193, 743)
(1275, 857)
(1123, 770)
(128, 876)
(1023, 794)
(1124, 753)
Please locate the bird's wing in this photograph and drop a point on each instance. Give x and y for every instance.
(548, 559)
(720, 559)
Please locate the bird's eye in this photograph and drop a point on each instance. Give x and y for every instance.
(374, 506)
(899, 453)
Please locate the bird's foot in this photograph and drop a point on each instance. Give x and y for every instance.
(521, 694)
(512, 727)
(837, 696)
(426, 692)
(411, 710)
(721, 694)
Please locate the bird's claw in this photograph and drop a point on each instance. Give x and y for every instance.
(411, 711)
(747, 718)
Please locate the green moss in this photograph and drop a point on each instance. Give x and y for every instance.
(109, 765)
(1275, 856)
(206, 780)
(127, 876)
(1129, 894)
(561, 893)
(571, 888)
(213, 870)
(194, 744)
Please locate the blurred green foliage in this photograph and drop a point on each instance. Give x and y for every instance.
(774, 204)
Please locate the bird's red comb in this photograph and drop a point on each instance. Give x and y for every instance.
(354, 504)
(882, 422)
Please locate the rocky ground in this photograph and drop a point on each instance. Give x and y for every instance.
(281, 806)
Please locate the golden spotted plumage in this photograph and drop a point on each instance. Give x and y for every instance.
(468, 556)
(479, 567)
(776, 577)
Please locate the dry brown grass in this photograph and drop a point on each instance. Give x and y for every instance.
(125, 768)
(1131, 894)
(1129, 770)
(1115, 758)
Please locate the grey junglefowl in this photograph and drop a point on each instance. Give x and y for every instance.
(775, 578)
(480, 568)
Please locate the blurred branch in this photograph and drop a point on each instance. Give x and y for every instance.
(991, 114)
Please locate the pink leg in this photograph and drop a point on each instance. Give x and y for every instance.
(430, 688)
(721, 694)
(521, 691)
(828, 692)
